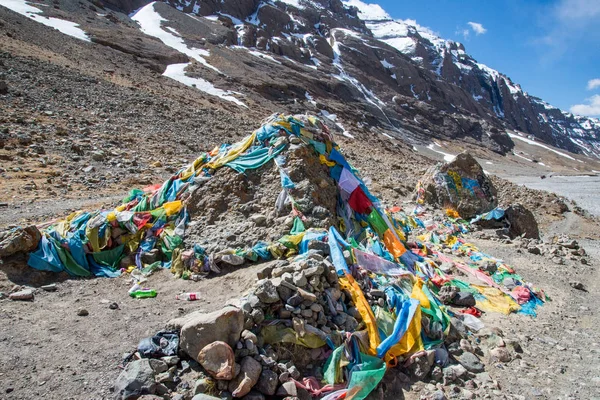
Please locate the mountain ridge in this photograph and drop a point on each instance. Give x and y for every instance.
(348, 60)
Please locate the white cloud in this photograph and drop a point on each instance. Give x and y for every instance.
(477, 28)
(593, 84)
(591, 109)
(463, 32)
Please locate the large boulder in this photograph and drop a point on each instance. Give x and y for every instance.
(461, 185)
(135, 380)
(19, 240)
(521, 222)
(199, 329)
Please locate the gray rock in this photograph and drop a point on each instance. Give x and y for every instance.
(464, 299)
(158, 366)
(258, 316)
(202, 385)
(578, 286)
(135, 380)
(266, 292)
(50, 288)
(248, 335)
(19, 240)
(471, 362)
(164, 377)
(534, 250)
(26, 294)
(258, 219)
(98, 155)
(199, 329)
(522, 222)
(287, 389)
(316, 270)
(295, 300)
(170, 360)
(247, 378)
(267, 383)
(447, 293)
(319, 246)
(501, 354)
(311, 297)
(300, 279)
(420, 367)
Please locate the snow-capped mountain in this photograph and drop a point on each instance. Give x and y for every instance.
(496, 91)
(349, 61)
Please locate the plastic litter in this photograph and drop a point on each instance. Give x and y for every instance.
(164, 343)
(143, 293)
(188, 296)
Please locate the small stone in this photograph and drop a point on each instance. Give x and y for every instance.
(258, 219)
(307, 295)
(287, 389)
(266, 292)
(267, 383)
(170, 360)
(136, 379)
(98, 155)
(471, 362)
(164, 377)
(202, 385)
(82, 312)
(50, 288)
(26, 294)
(158, 366)
(217, 359)
(113, 306)
(299, 279)
(501, 354)
(247, 378)
(284, 377)
(464, 299)
(258, 316)
(294, 372)
(578, 286)
(248, 335)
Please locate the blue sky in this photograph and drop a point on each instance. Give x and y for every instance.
(550, 47)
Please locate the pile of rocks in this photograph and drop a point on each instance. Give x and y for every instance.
(558, 249)
(281, 332)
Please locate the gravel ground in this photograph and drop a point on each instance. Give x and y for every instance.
(585, 190)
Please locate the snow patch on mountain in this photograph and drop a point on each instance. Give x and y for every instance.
(63, 26)
(534, 143)
(150, 23)
(368, 12)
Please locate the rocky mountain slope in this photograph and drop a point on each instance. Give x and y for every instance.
(348, 61)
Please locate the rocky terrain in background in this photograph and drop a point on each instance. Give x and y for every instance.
(327, 56)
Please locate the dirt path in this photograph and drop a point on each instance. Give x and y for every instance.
(561, 345)
(47, 351)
